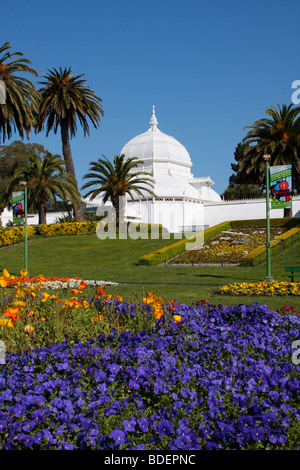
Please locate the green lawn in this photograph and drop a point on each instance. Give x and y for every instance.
(87, 257)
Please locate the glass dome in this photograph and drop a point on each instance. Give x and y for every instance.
(155, 146)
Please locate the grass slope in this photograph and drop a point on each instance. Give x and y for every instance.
(87, 257)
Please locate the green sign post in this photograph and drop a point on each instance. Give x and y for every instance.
(19, 207)
(267, 159)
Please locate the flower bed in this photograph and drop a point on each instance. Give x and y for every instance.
(12, 235)
(198, 377)
(52, 282)
(261, 288)
(227, 248)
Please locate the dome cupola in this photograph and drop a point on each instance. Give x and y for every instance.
(159, 152)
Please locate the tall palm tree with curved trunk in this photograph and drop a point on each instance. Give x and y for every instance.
(279, 136)
(64, 100)
(114, 180)
(46, 180)
(21, 97)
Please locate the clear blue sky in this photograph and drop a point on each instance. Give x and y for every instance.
(210, 68)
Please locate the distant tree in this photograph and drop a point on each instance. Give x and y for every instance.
(65, 100)
(241, 184)
(21, 96)
(17, 153)
(114, 180)
(241, 176)
(242, 191)
(46, 179)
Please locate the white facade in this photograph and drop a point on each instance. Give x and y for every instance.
(180, 198)
(215, 213)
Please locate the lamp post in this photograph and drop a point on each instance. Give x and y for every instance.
(24, 184)
(268, 277)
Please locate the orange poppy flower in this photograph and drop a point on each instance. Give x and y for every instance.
(158, 312)
(149, 299)
(12, 313)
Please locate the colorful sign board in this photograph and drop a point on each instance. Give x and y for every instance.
(18, 207)
(281, 186)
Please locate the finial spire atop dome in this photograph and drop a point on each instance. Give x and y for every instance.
(153, 121)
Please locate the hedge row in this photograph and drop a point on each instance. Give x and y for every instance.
(12, 235)
(261, 223)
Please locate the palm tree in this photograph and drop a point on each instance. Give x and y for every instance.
(117, 179)
(278, 136)
(65, 100)
(21, 101)
(46, 180)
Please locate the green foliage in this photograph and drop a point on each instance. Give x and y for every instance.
(117, 179)
(64, 101)
(242, 191)
(64, 97)
(46, 179)
(257, 223)
(278, 136)
(21, 96)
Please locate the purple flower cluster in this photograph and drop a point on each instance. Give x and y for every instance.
(222, 378)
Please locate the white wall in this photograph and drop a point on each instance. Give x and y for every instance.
(215, 213)
(175, 214)
(32, 219)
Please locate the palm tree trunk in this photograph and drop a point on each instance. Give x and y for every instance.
(42, 213)
(288, 212)
(66, 147)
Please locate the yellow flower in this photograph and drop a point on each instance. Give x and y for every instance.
(33, 313)
(23, 272)
(20, 292)
(19, 303)
(45, 296)
(177, 318)
(3, 283)
(28, 329)
(8, 322)
(6, 273)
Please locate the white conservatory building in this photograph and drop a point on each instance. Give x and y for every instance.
(180, 198)
(183, 203)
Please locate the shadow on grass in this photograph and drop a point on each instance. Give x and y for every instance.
(209, 275)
